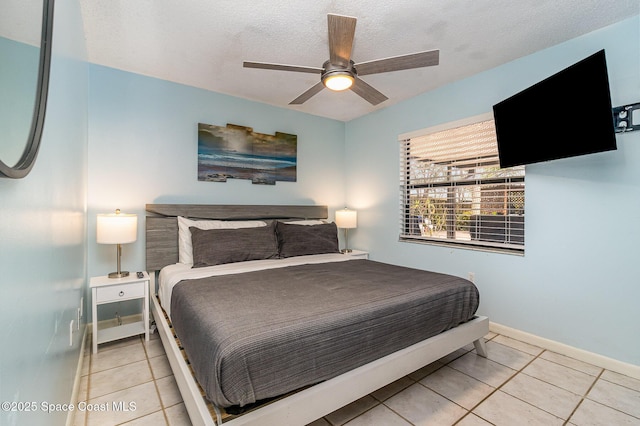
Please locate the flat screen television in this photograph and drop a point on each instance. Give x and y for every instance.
(565, 115)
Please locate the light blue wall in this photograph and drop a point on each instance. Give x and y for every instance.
(143, 149)
(43, 242)
(578, 280)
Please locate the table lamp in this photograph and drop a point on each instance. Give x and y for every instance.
(117, 228)
(346, 219)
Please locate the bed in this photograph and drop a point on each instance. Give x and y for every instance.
(289, 329)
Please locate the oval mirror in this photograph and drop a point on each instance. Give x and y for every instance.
(26, 29)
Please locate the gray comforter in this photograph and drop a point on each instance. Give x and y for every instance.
(261, 334)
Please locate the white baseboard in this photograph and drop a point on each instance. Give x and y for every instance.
(621, 367)
(76, 382)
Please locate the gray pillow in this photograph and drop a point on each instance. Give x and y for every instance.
(299, 240)
(218, 246)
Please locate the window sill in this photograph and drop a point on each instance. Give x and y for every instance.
(498, 248)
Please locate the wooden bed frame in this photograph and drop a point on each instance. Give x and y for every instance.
(311, 403)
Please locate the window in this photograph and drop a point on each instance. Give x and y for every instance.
(453, 191)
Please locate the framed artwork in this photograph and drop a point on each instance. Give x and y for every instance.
(237, 152)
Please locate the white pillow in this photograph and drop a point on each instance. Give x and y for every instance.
(307, 222)
(185, 248)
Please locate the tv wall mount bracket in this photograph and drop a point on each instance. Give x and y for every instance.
(626, 118)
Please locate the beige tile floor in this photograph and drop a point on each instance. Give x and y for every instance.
(517, 384)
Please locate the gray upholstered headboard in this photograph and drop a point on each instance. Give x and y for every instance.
(162, 224)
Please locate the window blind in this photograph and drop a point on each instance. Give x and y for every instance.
(453, 191)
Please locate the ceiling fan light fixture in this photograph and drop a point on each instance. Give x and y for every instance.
(339, 73)
(338, 81)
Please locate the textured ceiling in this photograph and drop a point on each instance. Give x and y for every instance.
(203, 43)
(21, 20)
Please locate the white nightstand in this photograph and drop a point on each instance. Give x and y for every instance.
(109, 290)
(358, 254)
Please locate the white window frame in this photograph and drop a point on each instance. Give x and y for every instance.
(456, 192)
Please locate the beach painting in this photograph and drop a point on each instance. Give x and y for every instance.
(237, 152)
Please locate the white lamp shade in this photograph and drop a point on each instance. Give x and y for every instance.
(117, 228)
(346, 218)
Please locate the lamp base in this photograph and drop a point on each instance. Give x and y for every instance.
(120, 274)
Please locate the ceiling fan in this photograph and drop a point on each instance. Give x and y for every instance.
(341, 73)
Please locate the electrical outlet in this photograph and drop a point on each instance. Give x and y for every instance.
(472, 277)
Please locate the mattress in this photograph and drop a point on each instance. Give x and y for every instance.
(171, 275)
(256, 335)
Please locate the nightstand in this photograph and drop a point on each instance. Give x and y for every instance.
(358, 254)
(110, 290)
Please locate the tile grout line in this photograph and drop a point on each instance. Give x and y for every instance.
(91, 373)
(86, 395)
(539, 356)
(155, 383)
(618, 383)
(414, 382)
(470, 411)
(521, 371)
(418, 382)
(379, 402)
(391, 409)
(498, 387)
(583, 397)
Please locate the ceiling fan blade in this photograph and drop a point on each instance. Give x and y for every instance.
(367, 92)
(280, 67)
(342, 30)
(308, 94)
(397, 63)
